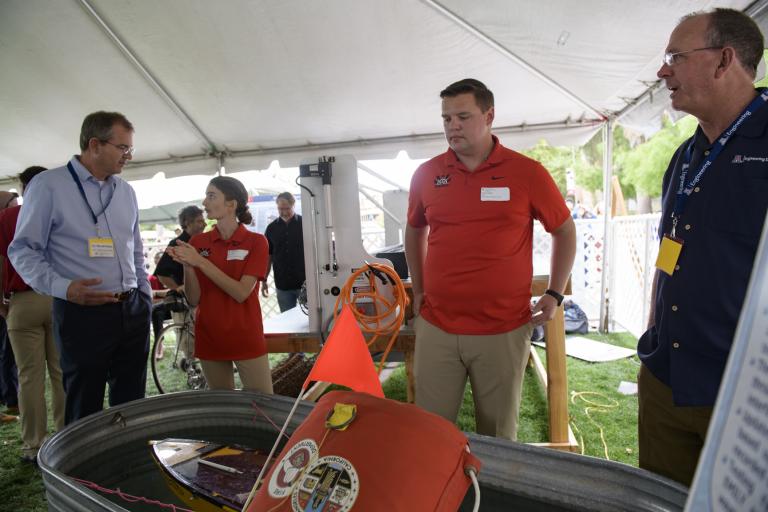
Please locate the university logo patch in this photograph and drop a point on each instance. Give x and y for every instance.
(443, 180)
(741, 159)
(330, 484)
(290, 467)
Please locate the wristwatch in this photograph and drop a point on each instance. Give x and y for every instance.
(552, 293)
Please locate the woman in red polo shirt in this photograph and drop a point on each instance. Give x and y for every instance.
(222, 271)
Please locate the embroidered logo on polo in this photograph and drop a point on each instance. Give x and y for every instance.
(330, 484)
(204, 252)
(442, 180)
(741, 159)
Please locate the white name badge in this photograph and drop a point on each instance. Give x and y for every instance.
(494, 193)
(236, 254)
(101, 248)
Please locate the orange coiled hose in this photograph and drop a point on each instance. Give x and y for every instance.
(388, 314)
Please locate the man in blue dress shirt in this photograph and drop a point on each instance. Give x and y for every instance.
(715, 196)
(77, 239)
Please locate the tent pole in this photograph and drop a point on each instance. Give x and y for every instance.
(607, 188)
(381, 207)
(143, 71)
(386, 180)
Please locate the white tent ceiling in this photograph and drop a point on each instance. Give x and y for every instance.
(253, 81)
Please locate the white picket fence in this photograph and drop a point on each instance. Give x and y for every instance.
(633, 245)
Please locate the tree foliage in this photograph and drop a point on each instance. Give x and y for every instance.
(645, 164)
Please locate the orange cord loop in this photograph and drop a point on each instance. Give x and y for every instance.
(388, 309)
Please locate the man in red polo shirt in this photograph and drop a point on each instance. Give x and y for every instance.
(468, 243)
(30, 331)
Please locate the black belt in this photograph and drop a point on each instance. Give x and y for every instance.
(123, 296)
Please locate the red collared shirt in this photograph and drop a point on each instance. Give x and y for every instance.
(478, 269)
(12, 282)
(226, 330)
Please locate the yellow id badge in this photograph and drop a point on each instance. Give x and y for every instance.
(101, 248)
(669, 252)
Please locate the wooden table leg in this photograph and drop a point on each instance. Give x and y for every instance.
(410, 388)
(557, 382)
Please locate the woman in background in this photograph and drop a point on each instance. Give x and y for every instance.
(222, 272)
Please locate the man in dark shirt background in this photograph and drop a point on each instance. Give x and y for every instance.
(286, 252)
(170, 273)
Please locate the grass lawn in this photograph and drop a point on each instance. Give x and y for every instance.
(21, 487)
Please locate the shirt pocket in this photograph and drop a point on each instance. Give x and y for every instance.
(739, 206)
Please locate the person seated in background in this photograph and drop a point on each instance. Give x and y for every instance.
(171, 273)
(160, 312)
(222, 271)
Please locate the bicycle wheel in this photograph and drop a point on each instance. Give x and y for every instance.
(168, 366)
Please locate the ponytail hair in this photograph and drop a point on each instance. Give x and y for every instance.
(234, 190)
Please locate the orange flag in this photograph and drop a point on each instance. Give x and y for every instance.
(345, 359)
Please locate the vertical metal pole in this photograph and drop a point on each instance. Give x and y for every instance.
(647, 267)
(607, 188)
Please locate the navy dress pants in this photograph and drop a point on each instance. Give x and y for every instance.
(99, 346)
(9, 383)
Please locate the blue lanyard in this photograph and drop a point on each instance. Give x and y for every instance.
(82, 193)
(683, 191)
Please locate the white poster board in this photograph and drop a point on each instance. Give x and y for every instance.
(732, 474)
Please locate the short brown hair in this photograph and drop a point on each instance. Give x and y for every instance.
(287, 196)
(483, 95)
(730, 27)
(188, 214)
(98, 125)
(27, 174)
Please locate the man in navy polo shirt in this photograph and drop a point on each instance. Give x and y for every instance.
(715, 197)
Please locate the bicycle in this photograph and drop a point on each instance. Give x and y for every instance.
(177, 340)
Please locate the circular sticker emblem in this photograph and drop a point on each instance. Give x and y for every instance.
(290, 466)
(329, 484)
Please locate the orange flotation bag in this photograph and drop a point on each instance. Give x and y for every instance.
(357, 452)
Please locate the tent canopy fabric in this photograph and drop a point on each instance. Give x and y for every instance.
(245, 82)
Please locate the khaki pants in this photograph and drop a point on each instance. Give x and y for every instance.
(495, 365)
(670, 437)
(30, 331)
(254, 374)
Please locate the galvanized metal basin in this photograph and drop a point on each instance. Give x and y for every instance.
(110, 448)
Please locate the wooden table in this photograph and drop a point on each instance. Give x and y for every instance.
(555, 381)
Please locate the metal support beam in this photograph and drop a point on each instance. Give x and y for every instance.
(376, 175)
(143, 71)
(380, 205)
(329, 147)
(607, 190)
(509, 54)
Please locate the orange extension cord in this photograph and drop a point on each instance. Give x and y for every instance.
(384, 308)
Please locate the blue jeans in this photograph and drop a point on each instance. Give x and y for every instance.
(287, 299)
